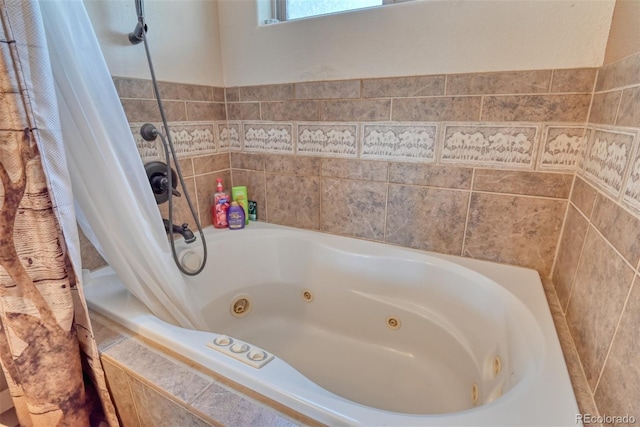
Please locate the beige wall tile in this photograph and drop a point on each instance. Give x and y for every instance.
(118, 385)
(147, 110)
(461, 108)
(625, 72)
(573, 80)
(600, 288)
(557, 185)
(354, 208)
(431, 175)
(206, 111)
(275, 92)
(403, 86)
(328, 90)
(298, 165)
(355, 169)
(133, 88)
(583, 196)
(232, 94)
(569, 250)
(218, 94)
(185, 92)
(155, 409)
(176, 379)
(619, 227)
(581, 388)
(629, 113)
(186, 166)
(243, 111)
(231, 409)
(248, 161)
(255, 183)
(605, 107)
(293, 200)
(355, 110)
(499, 83)
(618, 391)
(427, 218)
(514, 230)
(211, 163)
(290, 110)
(536, 108)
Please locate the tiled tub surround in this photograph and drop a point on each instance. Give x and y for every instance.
(597, 268)
(477, 164)
(507, 216)
(155, 387)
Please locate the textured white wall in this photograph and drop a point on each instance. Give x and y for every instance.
(183, 37)
(420, 37)
(218, 42)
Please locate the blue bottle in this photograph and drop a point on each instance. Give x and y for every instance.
(235, 216)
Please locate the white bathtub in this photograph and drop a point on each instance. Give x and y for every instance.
(362, 333)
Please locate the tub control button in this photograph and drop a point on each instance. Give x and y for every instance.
(241, 351)
(257, 355)
(223, 340)
(239, 348)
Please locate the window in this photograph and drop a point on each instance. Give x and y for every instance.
(286, 10)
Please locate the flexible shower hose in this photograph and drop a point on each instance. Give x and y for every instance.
(168, 146)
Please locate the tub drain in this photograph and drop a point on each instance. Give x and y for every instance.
(393, 322)
(307, 295)
(240, 306)
(474, 393)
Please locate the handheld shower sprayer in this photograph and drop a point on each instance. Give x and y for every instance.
(137, 35)
(162, 178)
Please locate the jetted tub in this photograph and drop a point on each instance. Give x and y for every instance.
(352, 332)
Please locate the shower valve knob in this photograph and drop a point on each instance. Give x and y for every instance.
(148, 132)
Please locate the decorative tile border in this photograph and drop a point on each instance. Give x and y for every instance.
(148, 150)
(607, 159)
(268, 137)
(562, 147)
(490, 145)
(632, 189)
(327, 139)
(229, 136)
(414, 142)
(588, 133)
(192, 139)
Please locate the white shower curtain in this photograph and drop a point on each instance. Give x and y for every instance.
(114, 203)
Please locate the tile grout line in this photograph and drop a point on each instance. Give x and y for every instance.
(386, 205)
(466, 222)
(615, 333)
(562, 231)
(565, 310)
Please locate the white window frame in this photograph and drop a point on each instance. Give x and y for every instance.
(279, 9)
